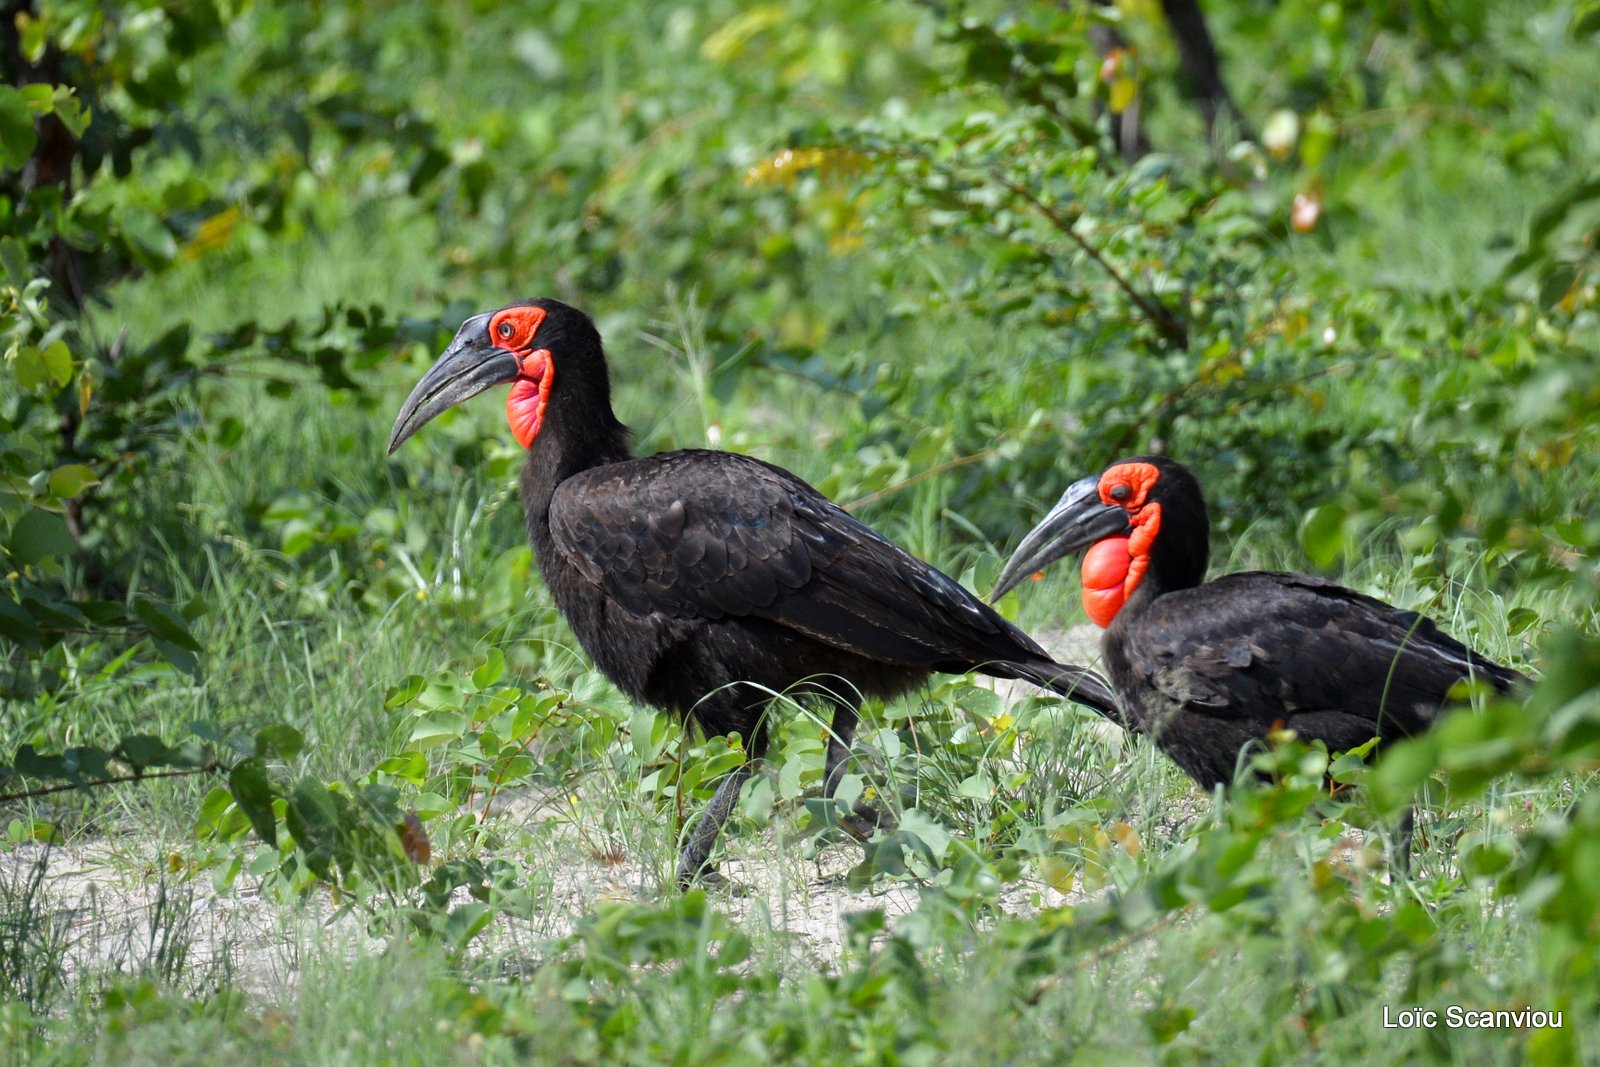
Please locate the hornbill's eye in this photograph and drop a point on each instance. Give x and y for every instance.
(1121, 493)
(506, 330)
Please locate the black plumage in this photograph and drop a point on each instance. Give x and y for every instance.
(1208, 669)
(704, 582)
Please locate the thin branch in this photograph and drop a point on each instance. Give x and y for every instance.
(906, 483)
(1162, 316)
(1106, 951)
(209, 768)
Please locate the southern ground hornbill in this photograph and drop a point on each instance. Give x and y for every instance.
(1209, 669)
(705, 582)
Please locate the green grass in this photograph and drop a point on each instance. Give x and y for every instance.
(288, 642)
(1264, 928)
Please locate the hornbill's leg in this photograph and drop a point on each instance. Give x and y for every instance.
(692, 865)
(731, 709)
(864, 818)
(840, 734)
(1407, 830)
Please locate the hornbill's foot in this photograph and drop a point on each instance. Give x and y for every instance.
(863, 820)
(710, 878)
(689, 876)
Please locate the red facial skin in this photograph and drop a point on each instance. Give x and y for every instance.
(1114, 566)
(514, 330)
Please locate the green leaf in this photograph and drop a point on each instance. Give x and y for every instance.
(90, 761)
(148, 233)
(976, 787)
(438, 728)
(1166, 1023)
(143, 750)
(164, 622)
(1322, 534)
(57, 363)
(208, 819)
(313, 819)
(40, 535)
(1402, 770)
(34, 764)
(405, 692)
(31, 367)
(70, 110)
(494, 666)
(1586, 22)
(17, 135)
(465, 922)
(252, 791)
(279, 741)
(52, 614)
(68, 481)
(17, 624)
(181, 658)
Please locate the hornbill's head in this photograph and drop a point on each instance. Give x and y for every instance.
(1142, 518)
(520, 344)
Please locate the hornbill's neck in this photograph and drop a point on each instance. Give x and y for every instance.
(579, 431)
(1182, 545)
(1180, 551)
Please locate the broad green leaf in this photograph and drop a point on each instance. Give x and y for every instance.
(465, 922)
(1322, 534)
(279, 741)
(313, 819)
(436, 729)
(494, 666)
(253, 792)
(144, 750)
(17, 624)
(404, 692)
(181, 658)
(31, 368)
(57, 359)
(40, 535)
(148, 233)
(1586, 22)
(1401, 770)
(17, 135)
(70, 110)
(70, 480)
(213, 809)
(50, 613)
(32, 762)
(166, 623)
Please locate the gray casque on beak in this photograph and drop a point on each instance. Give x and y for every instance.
(1078, 520)
(469, 366)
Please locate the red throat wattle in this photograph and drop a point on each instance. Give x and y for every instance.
(1114, 566)
(1105, 571)
(529, 395)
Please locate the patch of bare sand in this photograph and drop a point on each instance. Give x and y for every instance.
(118, 910)
(116, 914)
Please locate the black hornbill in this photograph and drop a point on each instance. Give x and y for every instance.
(705, 582)
(1208, 669)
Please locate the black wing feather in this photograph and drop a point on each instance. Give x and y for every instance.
(711, 535)
(1273, 642)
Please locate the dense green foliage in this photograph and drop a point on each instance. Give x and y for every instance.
(890, 247)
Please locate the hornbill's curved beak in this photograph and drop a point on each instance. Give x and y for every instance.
(469, 366)
(1078, 520)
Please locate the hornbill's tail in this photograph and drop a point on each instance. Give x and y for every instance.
(1078, 684)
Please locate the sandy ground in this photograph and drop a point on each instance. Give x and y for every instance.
(115, 909)
(117, 915)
